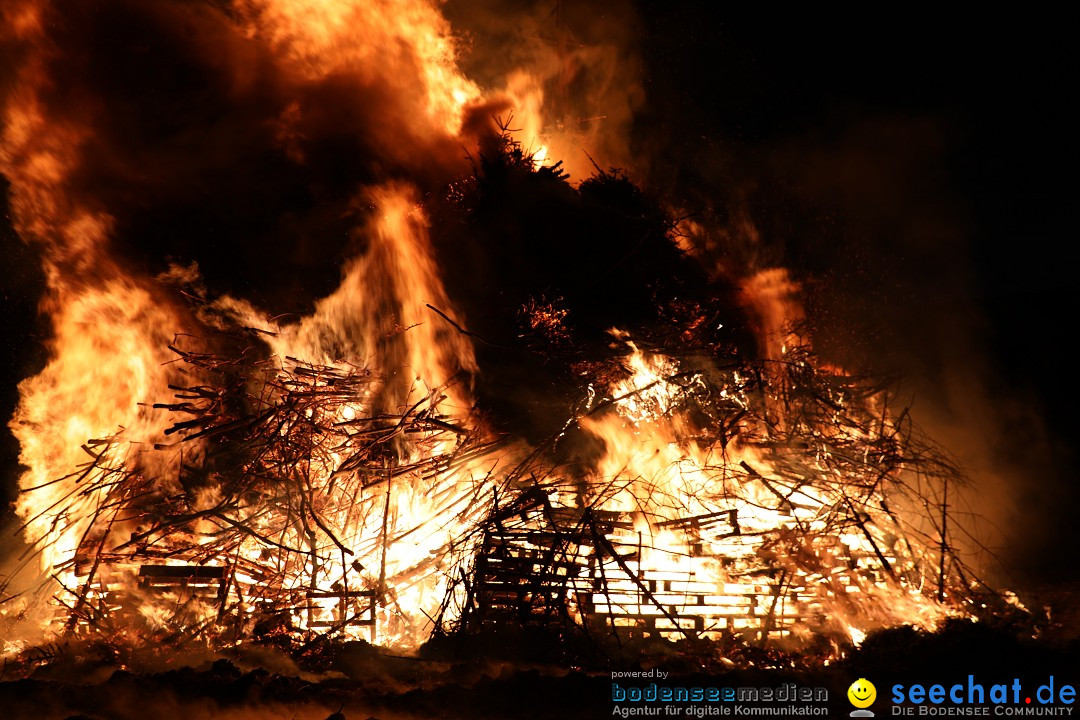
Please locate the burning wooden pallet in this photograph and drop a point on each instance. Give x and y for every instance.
(544, 565)
(736, 502)
(181, 576)
(121, 588)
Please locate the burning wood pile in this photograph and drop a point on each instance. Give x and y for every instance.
(759, 500)
(296, 518)
(765, 501)
(528, 401)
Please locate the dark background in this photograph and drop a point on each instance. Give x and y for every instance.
(913, 170)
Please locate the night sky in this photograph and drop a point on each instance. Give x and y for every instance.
(913, 170)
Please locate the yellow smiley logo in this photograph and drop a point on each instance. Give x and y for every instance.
(862, 693)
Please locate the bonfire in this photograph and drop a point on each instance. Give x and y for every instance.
(764, 496)
(537, 399)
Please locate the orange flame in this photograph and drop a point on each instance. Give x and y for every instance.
(392, 319)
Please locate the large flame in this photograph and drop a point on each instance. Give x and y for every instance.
(365, 552)
(372, 40)
(656, 469)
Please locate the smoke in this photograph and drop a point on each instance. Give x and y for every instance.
(245, 137)
(572, 73)
(897, 292)
(894, 184)
(209, 134)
